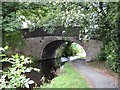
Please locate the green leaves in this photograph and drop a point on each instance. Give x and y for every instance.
(16, 56)
(6, 48)
(14, 39)
(14, 76)
(3, 50)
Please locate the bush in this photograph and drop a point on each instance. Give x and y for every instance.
(101, 56)
(112, 58)
(68, 49)
(109, 53)
(14, 76)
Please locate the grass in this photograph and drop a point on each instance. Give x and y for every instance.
(68, 79)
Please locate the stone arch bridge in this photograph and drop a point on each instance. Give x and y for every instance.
(43, 45)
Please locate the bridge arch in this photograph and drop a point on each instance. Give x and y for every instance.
(50, 48)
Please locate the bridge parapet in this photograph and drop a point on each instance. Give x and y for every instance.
(39, 32)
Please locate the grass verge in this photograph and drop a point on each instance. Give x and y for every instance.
(68, 79)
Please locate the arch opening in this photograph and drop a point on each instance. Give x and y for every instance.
(49, 51)
(74, 51)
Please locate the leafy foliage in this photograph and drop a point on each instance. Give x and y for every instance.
(54, 14)
(67, 49)
(14, 39)
(107, 33)
(14, 76)
(10, 25)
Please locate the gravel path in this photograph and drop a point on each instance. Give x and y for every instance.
(97, 79)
